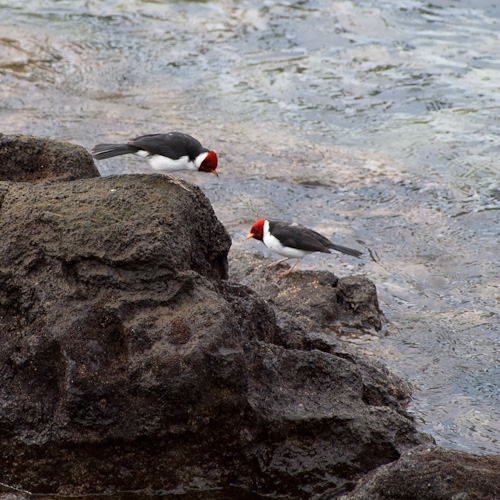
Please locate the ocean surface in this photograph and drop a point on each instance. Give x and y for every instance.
(373, 122)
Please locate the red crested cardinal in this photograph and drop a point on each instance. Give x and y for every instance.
(165, 152)
(293, 241)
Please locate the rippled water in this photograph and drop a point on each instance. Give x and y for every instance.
(373, 120)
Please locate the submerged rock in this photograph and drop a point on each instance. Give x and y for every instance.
(128, 362)
(24, 158)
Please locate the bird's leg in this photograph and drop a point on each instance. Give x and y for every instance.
(289, 270)
(278, 262)
(174, 180)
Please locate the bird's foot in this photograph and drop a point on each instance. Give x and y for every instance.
(277, 262)
(176, 181)
(289, 270)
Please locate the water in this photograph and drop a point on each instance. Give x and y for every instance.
(376, 121)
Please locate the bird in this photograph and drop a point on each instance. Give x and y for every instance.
(294, 241)
(165, 152)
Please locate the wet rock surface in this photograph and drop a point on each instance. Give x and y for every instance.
(319, 300)
(433, 473)
(129, 362)
(24, 158)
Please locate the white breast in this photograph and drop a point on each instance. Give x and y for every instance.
(165, 164)
(168, 165)
(273, 244)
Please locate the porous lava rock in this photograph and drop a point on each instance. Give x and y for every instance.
(129, 362)
(433, 473)
(25, 158)
(319, 300)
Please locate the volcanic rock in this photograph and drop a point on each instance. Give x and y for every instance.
(25, 158)
(433, 473)
(129, 362)
(319, 300)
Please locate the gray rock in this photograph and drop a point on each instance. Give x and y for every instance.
(129, 363)
(25, 158)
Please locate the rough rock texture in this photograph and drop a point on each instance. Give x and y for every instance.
(128, 362)
(433, 473)
(319, 300)
(25, 158)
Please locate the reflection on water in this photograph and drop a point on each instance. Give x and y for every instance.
(376, 121)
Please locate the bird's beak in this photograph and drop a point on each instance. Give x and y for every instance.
(215, 173)
(250, 235)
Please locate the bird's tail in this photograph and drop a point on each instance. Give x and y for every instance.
(346, 250)
(103, 151)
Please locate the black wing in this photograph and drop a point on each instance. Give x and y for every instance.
(103, 151)
(303, 238)
(173, 145)
(297, 236)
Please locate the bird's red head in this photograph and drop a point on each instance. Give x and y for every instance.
(209, 164)
(257, 230)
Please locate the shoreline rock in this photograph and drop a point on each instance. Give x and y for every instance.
(130, 362)
(319, 300)
(24, 158)
(432, 473)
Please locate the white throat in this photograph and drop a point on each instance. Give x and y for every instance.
(200, 159)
